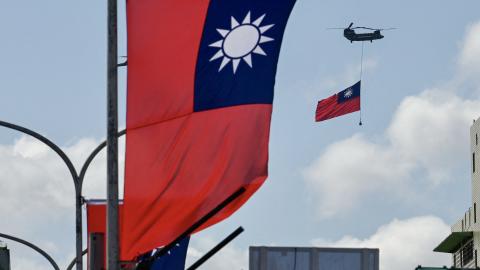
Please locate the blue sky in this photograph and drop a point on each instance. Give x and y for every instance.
(330, 183)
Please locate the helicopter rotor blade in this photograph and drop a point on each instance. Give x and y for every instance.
(335, 28)
(374, 29)
(387, 29)
(350, 26)
(368, 28)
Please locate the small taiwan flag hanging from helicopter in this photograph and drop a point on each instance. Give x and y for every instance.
(344, 102)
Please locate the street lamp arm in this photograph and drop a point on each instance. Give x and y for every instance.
(94, 153)
(74, 261)
(77, 179)
(32, 246)
(49, 143)
(76, 182)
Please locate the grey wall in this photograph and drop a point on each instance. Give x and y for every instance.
(292, 258)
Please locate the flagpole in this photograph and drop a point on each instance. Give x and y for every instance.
(112, 141)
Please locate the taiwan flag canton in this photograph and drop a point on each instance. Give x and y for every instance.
(201, 76)
(344, 102)
(239, 51)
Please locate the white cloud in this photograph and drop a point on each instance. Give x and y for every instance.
(432, 130)
(428, 136)
(427, 139)
(403, 244)
(230, 257)
(36, 188)
(353, 168)
(469, 59)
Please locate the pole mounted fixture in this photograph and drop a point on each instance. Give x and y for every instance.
(77, 181)
(76, 177)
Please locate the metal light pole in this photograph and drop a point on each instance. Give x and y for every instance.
(112, 142)
(77, 181)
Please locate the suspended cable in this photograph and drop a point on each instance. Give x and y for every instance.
(361, 74)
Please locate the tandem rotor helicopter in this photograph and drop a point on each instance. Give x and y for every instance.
(323, 112)
(350, 34)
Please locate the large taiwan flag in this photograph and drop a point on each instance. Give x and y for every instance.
(201, 76)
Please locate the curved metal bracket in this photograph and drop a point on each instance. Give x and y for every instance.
(76, 182)
(32, 246)
(74, 261)
(94, 153)
(77, 178)
(50, 144)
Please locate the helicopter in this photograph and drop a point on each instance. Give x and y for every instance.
(350, 34)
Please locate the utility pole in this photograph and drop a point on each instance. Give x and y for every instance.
(112, 141)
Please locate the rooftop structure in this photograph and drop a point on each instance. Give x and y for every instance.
(438, 268)
(312, 258)
(4, 257)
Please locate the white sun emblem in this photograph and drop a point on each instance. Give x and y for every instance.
(241, 41)
(348, 93)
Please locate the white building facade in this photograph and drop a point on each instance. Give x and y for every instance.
(464, 241)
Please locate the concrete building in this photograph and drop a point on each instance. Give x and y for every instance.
(464, 241)
(313, 258)
(436, 268)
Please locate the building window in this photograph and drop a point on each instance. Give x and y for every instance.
(469, 217)
(474, 212)
(476, 264)
(467, 253)
(473, 162)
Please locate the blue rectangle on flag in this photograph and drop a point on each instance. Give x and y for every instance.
(349, 93)
(239, 51)
(172, 260)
